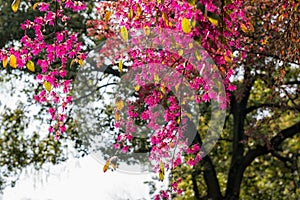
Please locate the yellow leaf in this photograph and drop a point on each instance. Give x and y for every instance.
(177, 87)
(186, 26)
(161, 173)
(35, 5)
(156, 78)
(198, 55)
(130, 14)
(117, 116)
(180, 52)
(72, 63)
(124, 33)
(80, 62)
(193, 22)
(47, 86)
(5, 61)
(227, 59)
(120, 66)
(120, 105)
(13, 61)
(147, 30)
(164, 16)
(244, 28)
(106, 166)
(251, 27)
(107, 16)
(30, 66)
(163, 88)
(138, 10)
(15, 5)
(213, 21)
(137, 88)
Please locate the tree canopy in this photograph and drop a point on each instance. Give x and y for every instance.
(208, 90)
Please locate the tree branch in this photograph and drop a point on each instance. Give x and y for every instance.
(252, 108)
(274, 142)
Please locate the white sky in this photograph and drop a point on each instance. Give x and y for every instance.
(79, 179)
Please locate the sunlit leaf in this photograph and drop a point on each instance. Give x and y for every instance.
(117, 116)
(198, 55)
(107, 16)
(161, 173)
(138, 10)
(5, 61)
(137, 88)
(120, 66)
(35, 5)
(106, 166)
(120, 105)
(81, 62)
(227, 59)
(186, 25)
(147, 30)
(13, 61)
(130, 14)
(156, 78)
(244, 28)
(72, 62)
(47, 86)
(213, 21)
(30, 66)
(180, 52)
(15, 5)
(124, 33)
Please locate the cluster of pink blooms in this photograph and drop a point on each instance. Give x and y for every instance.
(53, 51)
(149, 65)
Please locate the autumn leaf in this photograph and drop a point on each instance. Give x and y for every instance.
(130, 14)
(120, 66)
(35, 5)
(244, 28)
(72, 63)
(185, 25)
(81, 62)
(30, 66)
(124, 33)
(117, 116)
(198, 55)
(120, 105)
(213, 21)
(13, 61)
(193, 23)
(161, 173)
(15, 5)
(227, 59)
(5, 61)
(137, 88)
(180, 52)
(156, 78)
(106, 166)
(147, 30)
(47, 86)
(107, 16)
(138, 10)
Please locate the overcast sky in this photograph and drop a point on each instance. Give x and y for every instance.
(79, 179)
